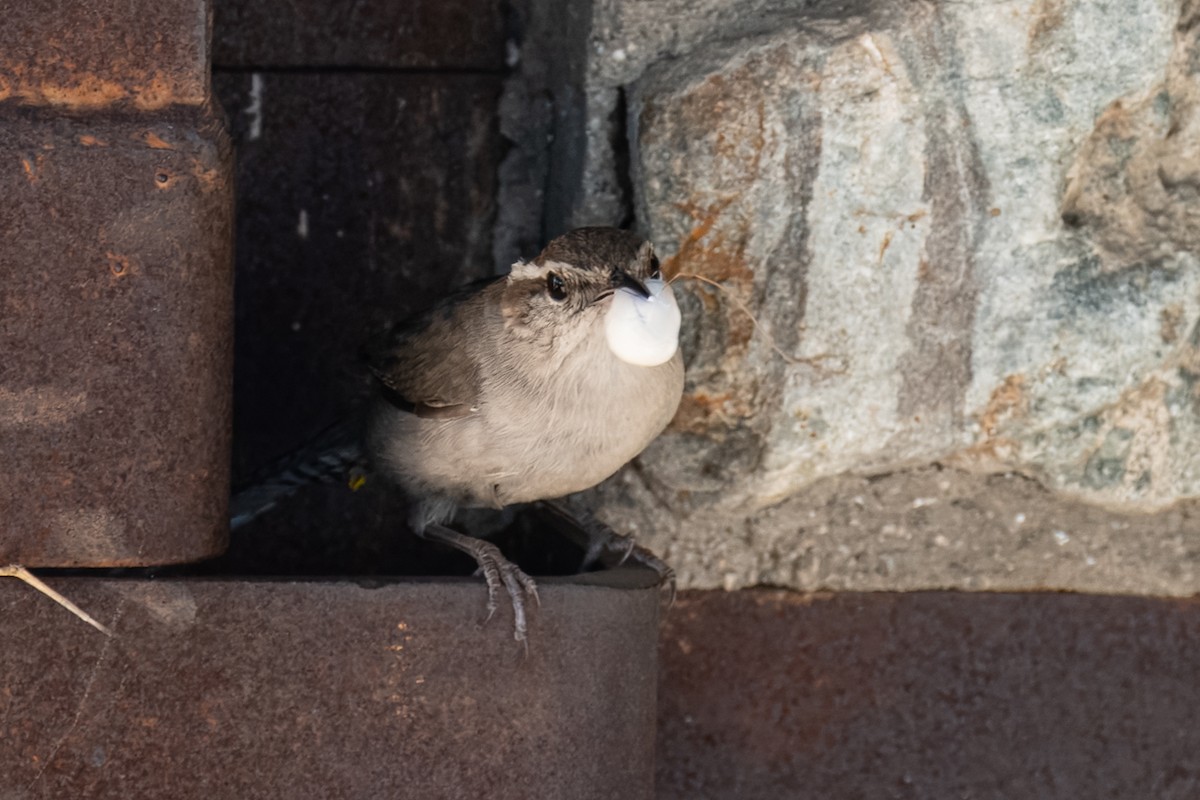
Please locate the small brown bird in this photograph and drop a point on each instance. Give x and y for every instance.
(528, 387)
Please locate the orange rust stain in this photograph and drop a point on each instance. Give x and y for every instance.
(119, 265)
(1007, 399)
(154, 142)
(1048, 16)
(883, 246)
(711, 257)
(33, 168)
(917, 216)
(1115, 122)
(709, 299)
(700, 411)
(992, 454)
(670, 265)
(87, 140)
(732, 110)
(740, 331)
(995, 212)
(730, 148)
(709, 254)
(87, 90)
(208, 178)
(1170, 321)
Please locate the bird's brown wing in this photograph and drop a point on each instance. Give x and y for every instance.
(425, 367)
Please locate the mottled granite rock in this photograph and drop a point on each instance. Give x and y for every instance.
(968, 233)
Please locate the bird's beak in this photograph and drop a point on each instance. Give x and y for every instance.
(623, 280)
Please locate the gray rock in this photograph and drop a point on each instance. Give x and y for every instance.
(962, 233)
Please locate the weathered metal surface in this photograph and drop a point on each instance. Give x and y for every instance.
(767, 694)
(361, 199)
(115, 330)
(438, 34)
(88, 54)
(285, 689)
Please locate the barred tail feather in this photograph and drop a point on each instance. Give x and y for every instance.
(329, 458)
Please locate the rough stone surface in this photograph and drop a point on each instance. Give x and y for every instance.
(927, 527)
(966, 232)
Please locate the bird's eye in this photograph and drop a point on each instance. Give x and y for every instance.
(556, 286)
(655, 269)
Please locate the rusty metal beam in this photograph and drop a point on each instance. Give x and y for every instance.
(115, 286)
(283, 689)
(769, 694)
(96, 54)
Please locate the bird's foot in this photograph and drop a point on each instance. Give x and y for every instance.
(605, 541)
(604, 544)
(498, 572)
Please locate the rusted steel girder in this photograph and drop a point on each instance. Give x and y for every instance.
(115, 286)
(285, 689)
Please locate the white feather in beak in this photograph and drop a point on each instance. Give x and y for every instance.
(643, 330)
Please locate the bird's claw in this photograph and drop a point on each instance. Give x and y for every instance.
(666, 575)
(499, 572)
(603, 540)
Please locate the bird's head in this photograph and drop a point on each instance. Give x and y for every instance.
(595, 282)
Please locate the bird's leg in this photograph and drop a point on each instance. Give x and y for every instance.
(604, 541)
(497, 570)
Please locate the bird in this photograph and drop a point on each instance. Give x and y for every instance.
(521, 388)
(528, 387)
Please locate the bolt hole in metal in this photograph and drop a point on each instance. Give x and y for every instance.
(162, 177)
